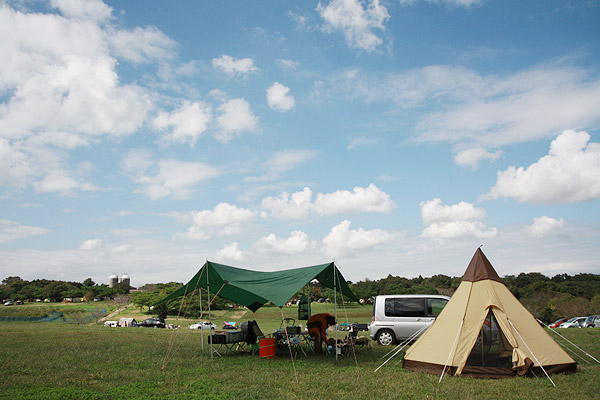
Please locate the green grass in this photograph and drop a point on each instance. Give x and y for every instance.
(70, 361)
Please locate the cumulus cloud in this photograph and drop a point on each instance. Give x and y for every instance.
(11, 230)
(297, 243)
(342, 240)
(299, 205)
(279, 99)
(90, 244)
(232, 66)
(544, 226)
(369, 199)
(223, 219)
(356, 20)
(295, 206)
(230, 252)
(454, 221)
(235, 117)
(569, 173)
(165, 177)
(187, 123)
(63, 70)
(471, 157)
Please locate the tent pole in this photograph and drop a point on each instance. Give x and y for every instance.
(335, 311)
(201, 327)
(209, 317)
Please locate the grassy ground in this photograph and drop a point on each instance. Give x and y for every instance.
(70, 361)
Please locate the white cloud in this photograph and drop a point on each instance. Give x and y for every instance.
(462, 3)
(342, 240)
(569, 173)
(357, 23)
(362, 142)
(165, 177)
(235, 118)
(232, 66)
(283, 161)
(369, 199)
(456, 221)
(90, 244)
(289, 63)
(10, 230)
(544, 226)
(475, 110)
(433, 211)
(300, 206)
(297, 206)
(187, 123)
(471, 157)
(279, 99)
(60, 182)
(94, 10)
(297, 243)
(230, 252)
(143, 45)
(224, 219)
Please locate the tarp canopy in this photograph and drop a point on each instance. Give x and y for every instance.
(253, 289)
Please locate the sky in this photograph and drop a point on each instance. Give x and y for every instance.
(145, 137)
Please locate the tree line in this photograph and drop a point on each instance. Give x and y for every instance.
(548, 298)
(16, 288)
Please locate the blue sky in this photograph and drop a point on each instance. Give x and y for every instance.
(394, 137)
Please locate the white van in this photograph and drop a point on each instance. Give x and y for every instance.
(397, 317)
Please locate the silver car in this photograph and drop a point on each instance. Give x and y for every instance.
(204, 325)
(397, 317)
(592, 321)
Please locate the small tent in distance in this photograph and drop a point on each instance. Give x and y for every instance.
(485, 331)
(254, 289)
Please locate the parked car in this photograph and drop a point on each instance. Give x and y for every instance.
(556, 323)
(152, 323)
(9, 303)
(575, 322)
(204, 325)
(590, 322)
(398, 317)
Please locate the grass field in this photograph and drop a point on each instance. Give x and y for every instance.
(71, 361)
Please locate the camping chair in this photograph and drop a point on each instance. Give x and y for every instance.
(252, 334)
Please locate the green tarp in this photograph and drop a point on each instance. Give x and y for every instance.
(253, 289)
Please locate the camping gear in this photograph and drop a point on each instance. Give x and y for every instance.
(304, 308)
(266, 348)
(485, 331)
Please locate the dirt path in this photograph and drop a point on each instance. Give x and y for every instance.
(112, 314)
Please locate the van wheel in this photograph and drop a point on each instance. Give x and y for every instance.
(386, 337)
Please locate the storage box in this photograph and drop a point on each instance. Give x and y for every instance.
(292, 330)
(234, 336)
(219, 338)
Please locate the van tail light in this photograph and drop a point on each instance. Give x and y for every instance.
(373, 321)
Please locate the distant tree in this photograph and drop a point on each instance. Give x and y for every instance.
(121, 300)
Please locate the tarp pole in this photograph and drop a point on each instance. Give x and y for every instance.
(201, 315)
(209, 318)
(335, 312)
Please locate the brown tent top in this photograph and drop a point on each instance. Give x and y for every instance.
(480, 269)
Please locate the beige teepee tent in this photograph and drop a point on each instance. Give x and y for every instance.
(485, 331)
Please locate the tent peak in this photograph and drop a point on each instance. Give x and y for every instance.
(480, 269)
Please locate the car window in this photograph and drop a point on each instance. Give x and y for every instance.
(435, 306)
(405, 307)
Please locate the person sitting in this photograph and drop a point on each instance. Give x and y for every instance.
(317, 328)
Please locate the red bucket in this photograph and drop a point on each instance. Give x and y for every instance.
(266, 348)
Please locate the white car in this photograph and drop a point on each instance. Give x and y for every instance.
(575, 322)
(204, 325)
